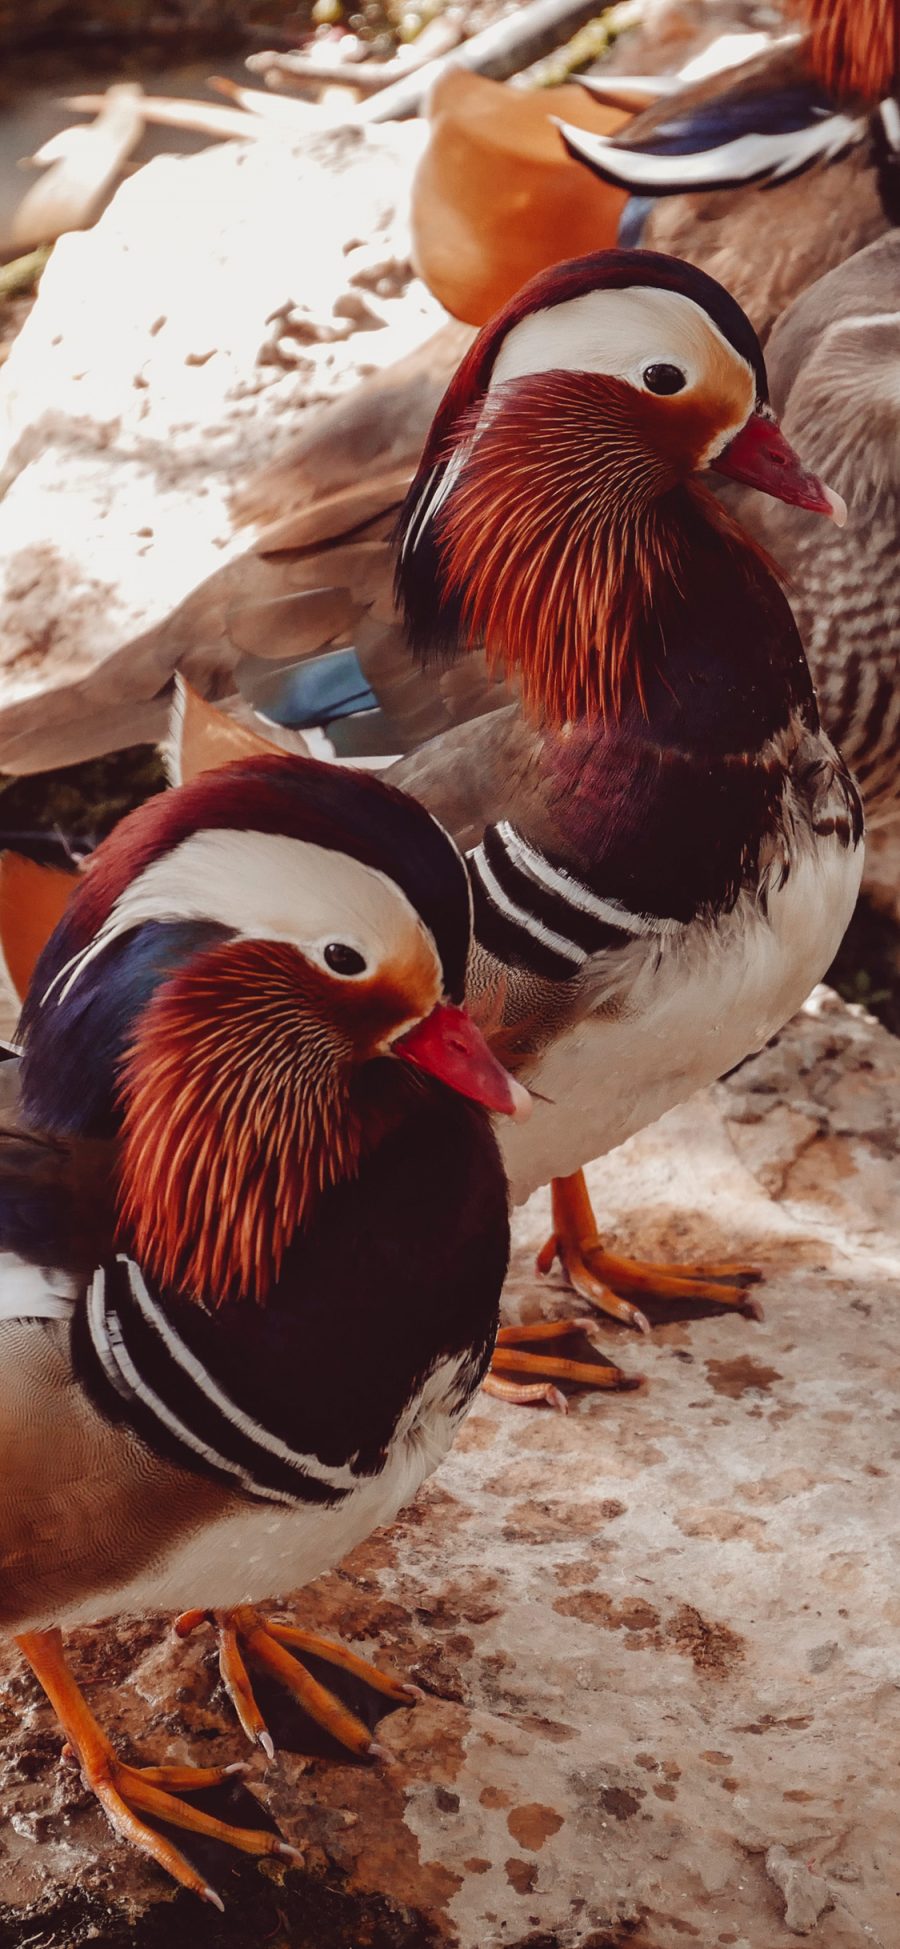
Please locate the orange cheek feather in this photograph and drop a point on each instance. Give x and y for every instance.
(855, 46)
(551, 536)
(237, 1109)
(236, 1117)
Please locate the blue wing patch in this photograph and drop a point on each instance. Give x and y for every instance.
(316, 691)
(729, 116)
(632, 221)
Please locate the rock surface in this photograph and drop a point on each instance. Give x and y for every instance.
(171, 349)
(805, 1895)
(657, 1637)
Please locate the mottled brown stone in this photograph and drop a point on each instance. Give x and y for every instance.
(533, 1824)
(521, 1875)
(740, 1376)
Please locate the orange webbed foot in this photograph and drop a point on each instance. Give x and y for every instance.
(605, 1279)
(134, 1796)
(278, 1650)
(511, 1357)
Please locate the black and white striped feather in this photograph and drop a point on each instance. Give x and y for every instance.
(182, 1407)
(539, 916)
(668, 164)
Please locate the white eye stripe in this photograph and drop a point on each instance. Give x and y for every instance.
(262, 886)
(616, 333)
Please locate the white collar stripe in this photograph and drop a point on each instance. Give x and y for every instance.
(521, 918)
(122, 1374)
(558, 881)
(253, 1431)
(889, 110)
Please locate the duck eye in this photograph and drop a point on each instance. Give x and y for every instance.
(662, 378)
(343, 960)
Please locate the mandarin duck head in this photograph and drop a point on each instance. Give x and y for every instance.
(243, 974)
(563, 478)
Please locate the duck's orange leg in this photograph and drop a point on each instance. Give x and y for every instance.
(127, 1792)
(604, 1279)
(509, 1359)
(277, 1649)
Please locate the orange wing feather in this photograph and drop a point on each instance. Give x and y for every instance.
(496, 197)
(202, 737)
(32, 899)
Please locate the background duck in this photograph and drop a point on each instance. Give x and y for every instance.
(496, 197)
(833, 361)
(780, 172)
(254, 1231)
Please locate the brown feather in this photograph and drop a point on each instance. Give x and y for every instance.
(202, 737)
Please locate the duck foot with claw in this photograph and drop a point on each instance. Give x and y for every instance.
(604, 1279)
(126, 1793)
(277, 1649)
(528, 1393)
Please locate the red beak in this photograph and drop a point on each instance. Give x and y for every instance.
(761, 457)
(448, 1045)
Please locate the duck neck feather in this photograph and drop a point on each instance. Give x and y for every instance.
(594, 569)
(237, 1117)
(854, 46)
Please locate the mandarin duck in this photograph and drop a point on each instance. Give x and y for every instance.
(833, 361)
(664, 845)
(665, 848)
(651, 817)
(787, 167)
(776, 174)
(812, 131)
(254, 1234)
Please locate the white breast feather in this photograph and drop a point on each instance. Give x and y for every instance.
(689, 1010)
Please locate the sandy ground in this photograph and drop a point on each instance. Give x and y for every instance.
(173, 349)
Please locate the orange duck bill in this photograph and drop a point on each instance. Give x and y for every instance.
(760, 456)
(449, 1046)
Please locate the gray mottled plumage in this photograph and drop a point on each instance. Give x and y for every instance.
(834, 368)
(765, 246)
